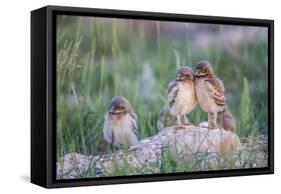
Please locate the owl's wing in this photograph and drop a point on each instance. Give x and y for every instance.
(134, 120)
(215, 90)
(107, 132)
(172, 92)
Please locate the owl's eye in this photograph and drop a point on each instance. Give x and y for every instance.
(119, 107)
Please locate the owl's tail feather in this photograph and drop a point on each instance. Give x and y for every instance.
(226, 120)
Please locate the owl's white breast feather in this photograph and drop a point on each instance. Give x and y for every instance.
(119, 129)
(185, 100)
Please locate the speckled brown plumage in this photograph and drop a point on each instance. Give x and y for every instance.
(210, 93)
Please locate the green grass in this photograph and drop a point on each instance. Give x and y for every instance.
(100, 58)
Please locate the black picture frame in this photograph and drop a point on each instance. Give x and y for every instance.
(43, 95)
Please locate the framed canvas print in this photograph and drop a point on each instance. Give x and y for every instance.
(125, 96)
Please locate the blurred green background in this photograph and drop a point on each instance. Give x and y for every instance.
(99, 58)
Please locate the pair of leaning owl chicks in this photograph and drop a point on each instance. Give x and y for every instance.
(202, 87)
(120, 122)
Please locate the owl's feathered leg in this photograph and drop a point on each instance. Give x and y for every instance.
(180, 124)
(186, 120)
(179, 120)
(112, 142)
(220, 120)
(215, 120)
(212, 120)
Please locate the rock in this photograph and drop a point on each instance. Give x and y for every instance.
(254, 152)
(190, 149)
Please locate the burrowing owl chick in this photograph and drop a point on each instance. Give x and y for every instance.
(181, 95)
(120, 123)
(210, 93)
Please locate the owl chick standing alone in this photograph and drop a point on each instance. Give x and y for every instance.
(210, 93)
(120, 123)
(181, 95)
